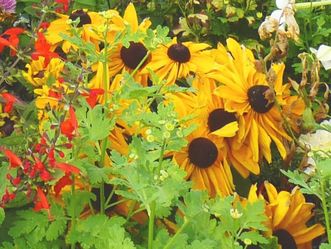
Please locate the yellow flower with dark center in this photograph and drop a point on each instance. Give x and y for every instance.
(288, 213)
(210, 114)
(247, 92)
(177, 60)
(88, 28)
(129, 58)
(205, 164)
(38, 75)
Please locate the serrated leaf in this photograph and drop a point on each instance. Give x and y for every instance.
(254, 236)
(76, 202)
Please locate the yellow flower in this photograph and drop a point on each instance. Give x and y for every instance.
(38, 75)
(129, 58)
(247, 92)
(177, 60)
(205, 164)
(288, 213)
(88, 28)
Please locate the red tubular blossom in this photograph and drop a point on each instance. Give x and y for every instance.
(10, 39)
(42, 48)
(92, 96)
(67, 168)
(69, 126)
(41, 202)
(7, 197)
(64, 181)
(9, 101)
(14, 161)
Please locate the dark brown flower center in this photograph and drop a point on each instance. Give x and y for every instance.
(285, 239)
(257, 97)
(202, 152)
(179, 53)
(218, 118)
(40, 74)
(8, 127)
(84, 18)
(133, 55)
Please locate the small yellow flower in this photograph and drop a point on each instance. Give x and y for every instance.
(235, 214)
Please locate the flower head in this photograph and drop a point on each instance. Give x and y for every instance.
(8, 6)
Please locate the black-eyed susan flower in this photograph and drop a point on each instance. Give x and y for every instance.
(288, 213)
(205, 164)
(88, 26)
(209, 113)
(177, 60)
(129, 58)
(247, 92)
(38, 74)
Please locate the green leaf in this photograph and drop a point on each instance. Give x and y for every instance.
(100, 232)
(254, 236)
(77, 201)
(2, 215)
(58, 226)
(325, 246)
(96, 124)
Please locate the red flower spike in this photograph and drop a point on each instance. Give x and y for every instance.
(9, 101)
(14, 160)
(42, 48)
(64, 181)
(67, 168)
(51, 157)
(10, 39)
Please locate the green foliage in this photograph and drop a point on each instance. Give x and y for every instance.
(100, 232)
(37, 230)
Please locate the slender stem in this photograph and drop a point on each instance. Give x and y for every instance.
(312, 4)
(73, 218)
(325, 211)
(179, 231)
(151, 226)
(140, 63)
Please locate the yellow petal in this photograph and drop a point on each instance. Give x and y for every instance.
(130, 15)
(228, 130)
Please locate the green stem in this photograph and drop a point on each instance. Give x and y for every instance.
(312, 4)
(325, 210)
(140, 63)
(151, 226)
(180, 230)
(73, 218)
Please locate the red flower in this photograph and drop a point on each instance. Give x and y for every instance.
(64, 181)
(41, 202)
(67, 168)
(7, 197)
(64, 7)
(92, 98)
(42, 48)
(9, 101)
(70, 125)
(14, 160)
(10, 39)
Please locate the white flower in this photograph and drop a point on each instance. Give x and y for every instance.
(323, 54)
(283, 18)
(319, 141)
